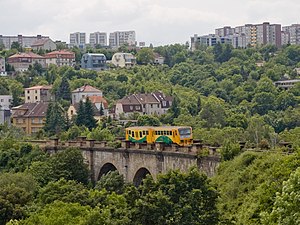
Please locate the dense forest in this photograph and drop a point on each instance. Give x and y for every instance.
(227, 95)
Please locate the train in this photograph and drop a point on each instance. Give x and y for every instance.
(180, 135)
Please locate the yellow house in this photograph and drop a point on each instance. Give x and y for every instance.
(30, 117)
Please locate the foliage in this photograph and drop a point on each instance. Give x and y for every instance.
(177, 198)
(55, 119)
(248, 185)
(68, 164)
(112, 181)
(286, 206)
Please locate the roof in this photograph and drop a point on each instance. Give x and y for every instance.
(26, 55)
(134, 99)
(129, 100)
(87, 88)
(98, 99)
(60, 52)
(40, 42)
(146, 98)
(156, 128)
(47, 87)
(38, 109)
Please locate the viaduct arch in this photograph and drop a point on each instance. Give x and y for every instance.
(134, 161)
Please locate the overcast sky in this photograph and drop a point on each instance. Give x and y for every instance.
(155, 21)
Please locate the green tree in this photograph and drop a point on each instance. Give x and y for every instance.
(286, 206)
(89, 120)
(55, 119)
(63, 91)
(112, 182)
(148, 120)
(145, 56)
(177, 198)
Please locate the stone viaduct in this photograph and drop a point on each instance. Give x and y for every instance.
(135, 160)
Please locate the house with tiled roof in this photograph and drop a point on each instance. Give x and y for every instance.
(43, 44)
(84, 92)
(22, 61)
(155, 103)
(60, 58)
(30, 117)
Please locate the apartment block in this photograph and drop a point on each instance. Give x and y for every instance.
(98, 38)
(208, 40)
(24, 41)
(119, 38)
(78, 39)
(224, 31)
(293, 33)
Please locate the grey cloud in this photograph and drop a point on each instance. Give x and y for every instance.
(155, 21)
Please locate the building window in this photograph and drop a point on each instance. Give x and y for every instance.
(36, 97)
(28, 97)
(137, 108)
(131, 107)
(1, 99)
(164, 103)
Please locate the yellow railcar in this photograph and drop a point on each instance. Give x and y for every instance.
(168, 134)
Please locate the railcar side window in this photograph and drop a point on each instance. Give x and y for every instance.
(144, 132)
(147, 132)
(165, 132)
(132, 134)
(171, 133)
(141, 134)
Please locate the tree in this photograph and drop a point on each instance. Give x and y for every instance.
(55, 119)
(63, 91)
(63, 190)
(85, 115)
(80, 117)
(111, 182)
(68, 164)
(286, 206)
(145, 56)
(90, 121)
(148, 120)
(16, 45)
(177, 198)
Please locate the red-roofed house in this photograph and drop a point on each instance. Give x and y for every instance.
(83, 92)
(60, 58)
(43, 44)
(22, 61)
(38, 94)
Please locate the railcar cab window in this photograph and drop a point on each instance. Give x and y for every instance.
(184, 132)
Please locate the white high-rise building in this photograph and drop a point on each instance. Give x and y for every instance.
(119, 38)
(98, 38)
(77, 39)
